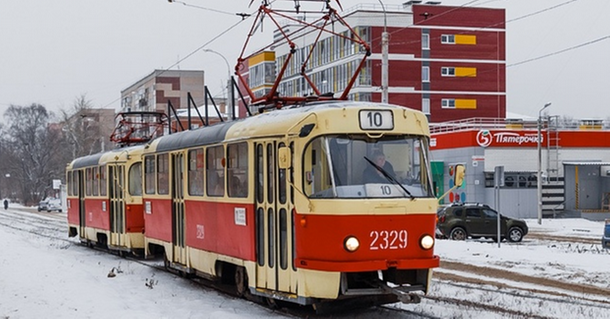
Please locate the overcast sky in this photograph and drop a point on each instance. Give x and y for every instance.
(53, 51)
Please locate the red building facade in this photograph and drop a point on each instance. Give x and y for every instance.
(447, 61)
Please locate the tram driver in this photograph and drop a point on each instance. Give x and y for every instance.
(372, 174)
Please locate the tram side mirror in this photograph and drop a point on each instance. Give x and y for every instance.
(460, 171)
(306, 129)
(283, 155)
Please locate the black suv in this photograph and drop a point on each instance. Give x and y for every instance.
(460, 221)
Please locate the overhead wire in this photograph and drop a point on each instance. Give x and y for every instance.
(203, 8)
(561, 51)
(242, 19)
(513, 20)
(466, 5)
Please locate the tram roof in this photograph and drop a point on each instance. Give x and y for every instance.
(273, 123)
(94, 159)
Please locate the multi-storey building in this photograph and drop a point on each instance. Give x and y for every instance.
(447, 61)
(152, 92)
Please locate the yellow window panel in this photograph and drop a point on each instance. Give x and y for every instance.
(465, 39)
(262, 57)
(466, 72)
(465, 104)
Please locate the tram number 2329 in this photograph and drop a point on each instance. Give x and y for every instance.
(388, 239)
(376, 120)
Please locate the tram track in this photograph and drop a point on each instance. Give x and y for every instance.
(562, 239)
(464, 277)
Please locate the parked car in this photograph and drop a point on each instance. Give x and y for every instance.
(49, 205)
(606, 236)
(474, 220)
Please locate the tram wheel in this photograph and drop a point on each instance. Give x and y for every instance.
(166, 262)
(271, 303)
(241, 281)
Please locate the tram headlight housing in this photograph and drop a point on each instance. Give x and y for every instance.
(426, 242)
(351, 244)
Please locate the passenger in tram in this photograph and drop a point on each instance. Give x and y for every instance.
(238, 189)
(372, 174)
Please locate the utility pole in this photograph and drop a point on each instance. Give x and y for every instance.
(539, 178)
(384, 57)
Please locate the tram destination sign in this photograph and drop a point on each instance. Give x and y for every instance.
(376, 120)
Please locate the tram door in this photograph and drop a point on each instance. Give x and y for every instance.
(273, 221)
(178, 222)
(116, 174)
(81, 202)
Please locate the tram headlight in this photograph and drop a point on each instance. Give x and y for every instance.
(426, 242)
(351, 244)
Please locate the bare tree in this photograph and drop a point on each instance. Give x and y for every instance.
(77, 130)
(32, 149)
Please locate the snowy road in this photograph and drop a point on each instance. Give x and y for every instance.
(552, 274)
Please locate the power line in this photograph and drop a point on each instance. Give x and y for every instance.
(541, 11)
(561, 51)
(199, 48)
(203, 8)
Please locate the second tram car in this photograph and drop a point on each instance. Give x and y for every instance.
(104, 198)
(277, 203)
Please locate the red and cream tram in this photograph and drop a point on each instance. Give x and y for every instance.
(104, 199)
(278, 204)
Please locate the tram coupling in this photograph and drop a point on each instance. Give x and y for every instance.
(402, 292)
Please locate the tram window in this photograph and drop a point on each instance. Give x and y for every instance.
(195, 169)
(88, 182)
(103, 183)
(135, 179)
(163, 174)
(282, 182)
(149, 174)
(70, 182)
(283, 239)
(95, 181)
(259, 174)
(271, 229)
(270, 173)
(260, 236)
(237, 169)
(333, 166)
(215, 174)
(76, 182)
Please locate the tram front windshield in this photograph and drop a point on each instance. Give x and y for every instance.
(359, 166)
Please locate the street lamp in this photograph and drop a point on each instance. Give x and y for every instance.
(229, 82)
(539, 179)
(384, 57)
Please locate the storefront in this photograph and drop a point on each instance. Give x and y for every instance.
(574, 164)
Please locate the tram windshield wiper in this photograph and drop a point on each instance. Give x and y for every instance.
(389, 177)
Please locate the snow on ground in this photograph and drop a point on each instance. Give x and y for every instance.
(42, 277)
(583, 262)
(45, 278)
